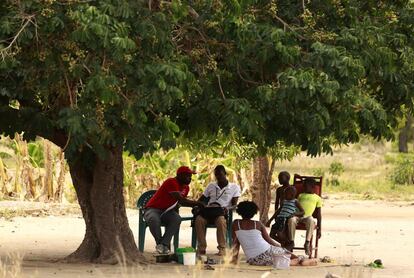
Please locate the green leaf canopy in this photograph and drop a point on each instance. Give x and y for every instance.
(90, 74)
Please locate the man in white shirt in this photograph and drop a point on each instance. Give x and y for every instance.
(220, 194)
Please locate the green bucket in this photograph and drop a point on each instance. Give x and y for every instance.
(180, 252)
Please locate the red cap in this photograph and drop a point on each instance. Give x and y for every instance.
(185, 169)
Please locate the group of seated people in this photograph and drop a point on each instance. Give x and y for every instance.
(213, 207)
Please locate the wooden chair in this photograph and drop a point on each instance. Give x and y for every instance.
(142, 226)
(298, 183)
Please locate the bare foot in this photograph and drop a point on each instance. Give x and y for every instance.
(309, 262)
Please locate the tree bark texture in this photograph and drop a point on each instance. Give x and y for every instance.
(404, 135)
(48, 179)
(108, 238)
(61, 179)
(19, 164)
(3, 179)
(261, 187)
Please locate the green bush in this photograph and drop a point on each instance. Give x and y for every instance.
(319, 172)
(403, 172)
(336, 169)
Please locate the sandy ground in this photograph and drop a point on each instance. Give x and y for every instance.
(354, 233)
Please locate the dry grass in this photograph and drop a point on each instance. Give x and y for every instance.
(12, 266)
(367, 171)
(9, 214)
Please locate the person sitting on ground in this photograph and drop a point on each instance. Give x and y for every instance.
(222, 196)
(162, 208)
(256, 243)
(311, 203)
(290, 207)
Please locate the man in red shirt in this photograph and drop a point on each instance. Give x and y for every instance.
(161, 208)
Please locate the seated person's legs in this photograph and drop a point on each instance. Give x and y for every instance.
(153, 220)
(282, 238)
(221, 224)
(172, 222)
(273, 233)
(310, 227)
(200, 226)
(291, 223)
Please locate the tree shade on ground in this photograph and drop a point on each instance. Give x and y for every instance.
(100, 77)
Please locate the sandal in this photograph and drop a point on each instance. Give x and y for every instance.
(211, 261)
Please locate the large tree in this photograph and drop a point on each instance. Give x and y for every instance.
(100, 77)
(95, 78)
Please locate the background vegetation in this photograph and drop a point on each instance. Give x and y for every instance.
(367, 170)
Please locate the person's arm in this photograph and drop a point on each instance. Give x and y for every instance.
(319, 219)
(266, 236)
(184, 201)
(203, 199)
(273, 217)
(277, 200)
(235, 244)
(234, 201)
(301, 211)
(233, 205)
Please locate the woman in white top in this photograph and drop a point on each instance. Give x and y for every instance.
(257, 245)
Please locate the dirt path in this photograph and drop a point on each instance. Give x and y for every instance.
(354, 233)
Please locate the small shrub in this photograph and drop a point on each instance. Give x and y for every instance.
(319, 172)
(336, 169)
(403, 172)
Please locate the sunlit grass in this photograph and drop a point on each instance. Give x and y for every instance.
(367, 170)
(9, 214)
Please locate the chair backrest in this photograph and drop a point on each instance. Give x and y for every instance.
(144, 198)
(298, 184)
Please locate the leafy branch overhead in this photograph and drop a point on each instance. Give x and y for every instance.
(311, 77)
(313, 74)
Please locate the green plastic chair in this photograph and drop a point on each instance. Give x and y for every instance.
(142, 226)
(229, 236)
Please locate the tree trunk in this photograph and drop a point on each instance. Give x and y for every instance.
(261, 188)
(61, 179)
(19, 163)
(3, 179)
(108, 238)
(27, 171)
(48, 179)
(404, 135)
(240, 179)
